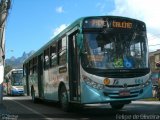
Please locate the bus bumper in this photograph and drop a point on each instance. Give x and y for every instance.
(16, 92)
(107, 95)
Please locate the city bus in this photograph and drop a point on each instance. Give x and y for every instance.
(14, 82)
(97, 59)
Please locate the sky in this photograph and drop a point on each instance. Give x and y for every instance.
(32, 23)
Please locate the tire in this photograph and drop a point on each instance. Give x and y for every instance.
(117, 106)
(63, 96)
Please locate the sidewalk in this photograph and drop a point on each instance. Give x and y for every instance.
(146, 102)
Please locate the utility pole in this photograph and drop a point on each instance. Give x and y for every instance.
(4, 8)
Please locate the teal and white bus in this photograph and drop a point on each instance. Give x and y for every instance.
(98, 59)
(14, 81)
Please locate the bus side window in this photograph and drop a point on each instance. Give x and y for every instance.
(30, 67)
(24, 69)
(62, 51)
(46, 59)
(35, 61)
(53, 55)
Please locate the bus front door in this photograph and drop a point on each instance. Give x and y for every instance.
(74, 68)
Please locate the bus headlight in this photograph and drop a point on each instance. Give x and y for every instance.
(92, 83)
(146, 83)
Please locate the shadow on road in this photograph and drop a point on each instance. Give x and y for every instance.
(47, 109)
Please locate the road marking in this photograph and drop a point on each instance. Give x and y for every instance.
(32, 110)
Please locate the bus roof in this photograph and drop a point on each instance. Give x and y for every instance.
(10, 72)
(15, 70)
(77, 22)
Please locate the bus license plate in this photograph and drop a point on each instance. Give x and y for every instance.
(124, 93)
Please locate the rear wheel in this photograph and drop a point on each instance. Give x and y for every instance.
(63, 96)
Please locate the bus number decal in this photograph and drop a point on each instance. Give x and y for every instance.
(62, 69)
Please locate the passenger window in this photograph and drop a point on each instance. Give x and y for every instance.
(30, 67)
(53, 55)
(34, 67)
(46, 59)
(62, 51)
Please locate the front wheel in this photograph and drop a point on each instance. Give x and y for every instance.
(64, 99)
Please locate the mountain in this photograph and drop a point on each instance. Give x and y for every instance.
(18, 62)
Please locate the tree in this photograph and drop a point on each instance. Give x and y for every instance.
(7, 69)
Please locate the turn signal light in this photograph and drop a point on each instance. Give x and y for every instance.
(106, 81)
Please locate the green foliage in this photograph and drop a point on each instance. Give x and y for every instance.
(7, 69)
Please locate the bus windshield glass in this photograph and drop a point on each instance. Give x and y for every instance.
(17, 79)
(115, 50)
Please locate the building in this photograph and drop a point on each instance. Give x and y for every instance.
(4, 7)
(154, 58)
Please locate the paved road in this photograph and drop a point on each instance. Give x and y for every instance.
(22, 108)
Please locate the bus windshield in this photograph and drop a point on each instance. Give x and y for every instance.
(115, 50)
(17, 79)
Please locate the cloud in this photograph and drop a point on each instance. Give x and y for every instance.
(154, 42)
(145, 10)
(101, 7)
(59, 9)
(59, 29)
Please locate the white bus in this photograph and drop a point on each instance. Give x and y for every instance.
(14, 81)
(98, 59)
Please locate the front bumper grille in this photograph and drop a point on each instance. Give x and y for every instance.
(122, 86)
(116, 93)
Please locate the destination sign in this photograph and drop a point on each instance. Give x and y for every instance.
(107, 23)
(116, 24)
(93, 23)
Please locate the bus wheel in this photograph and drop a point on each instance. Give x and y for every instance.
(64, 99)
(117, 106)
